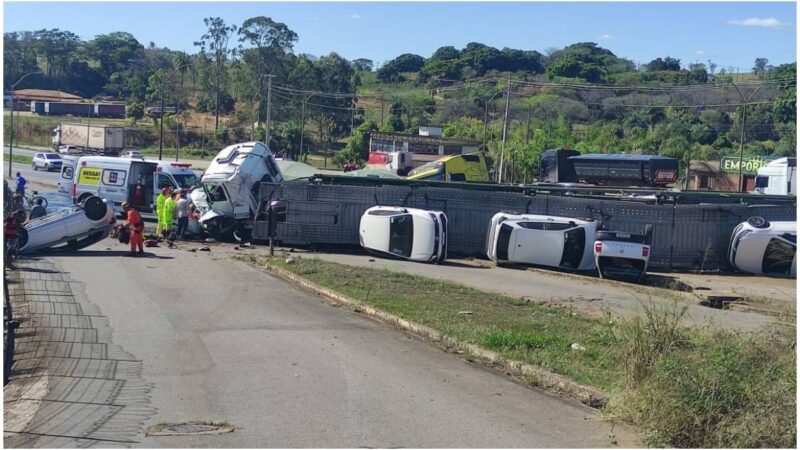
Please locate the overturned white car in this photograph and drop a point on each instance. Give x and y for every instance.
(73, 228)
(408, 233)
(621, 256)
(552, 241)
(762, 247)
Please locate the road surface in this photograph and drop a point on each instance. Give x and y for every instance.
(219, 340)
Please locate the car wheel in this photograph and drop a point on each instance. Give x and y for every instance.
(33, 165)
(47, 167)
(94, 208)
(758, 222)
(83, 197)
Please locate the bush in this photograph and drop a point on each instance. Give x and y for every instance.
(706, 387)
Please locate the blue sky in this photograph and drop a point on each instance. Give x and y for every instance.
(731, 34)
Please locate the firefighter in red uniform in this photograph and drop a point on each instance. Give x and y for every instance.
(136, 225)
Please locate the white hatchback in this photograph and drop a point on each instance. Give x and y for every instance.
(552, 241)
(762, 247)
(407, 233)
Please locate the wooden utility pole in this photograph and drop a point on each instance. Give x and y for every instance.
(303, 123)
(505, 132)
(269, 109)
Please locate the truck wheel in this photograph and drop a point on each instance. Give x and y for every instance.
(94, 208)
(758, 222)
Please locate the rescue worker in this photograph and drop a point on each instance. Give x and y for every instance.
(162, 197)
(169, 213)
(136, 225)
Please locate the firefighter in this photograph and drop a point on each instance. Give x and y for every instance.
(136, 226)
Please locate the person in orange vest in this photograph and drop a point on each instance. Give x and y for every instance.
(136, 226)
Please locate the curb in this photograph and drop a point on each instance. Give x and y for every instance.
(530, 374)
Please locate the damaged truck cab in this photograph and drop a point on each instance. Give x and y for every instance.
(231, 187)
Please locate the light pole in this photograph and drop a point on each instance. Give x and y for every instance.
(744, 118)
(162, 82)
(486, 114)
(11, 122)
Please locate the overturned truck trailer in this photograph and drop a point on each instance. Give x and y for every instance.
(691, 230)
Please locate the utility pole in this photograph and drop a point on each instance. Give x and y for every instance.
(177, 134)
(269, 109)
(11, 122)
(303, 123)
(161, 125)
(744, 119)
(505, 131)
(528, 128)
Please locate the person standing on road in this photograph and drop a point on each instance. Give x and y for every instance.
(160, 200)
(38, 210)
(182, 215)
(10, 235)
(169, 213)
(21, 182)
(136, 226)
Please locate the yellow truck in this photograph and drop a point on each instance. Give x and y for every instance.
(470, 168)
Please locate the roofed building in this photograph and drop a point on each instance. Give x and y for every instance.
(425, 147)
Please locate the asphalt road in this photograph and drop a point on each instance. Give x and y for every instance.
(220, 340)
(40, 177)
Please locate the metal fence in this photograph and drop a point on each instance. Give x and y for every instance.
(9, 332)
(691, 230)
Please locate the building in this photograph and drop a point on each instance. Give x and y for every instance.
(428, 145)
(723, 175)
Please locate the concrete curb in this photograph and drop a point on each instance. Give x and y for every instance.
(530, 374)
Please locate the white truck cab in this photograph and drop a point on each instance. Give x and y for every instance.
(778, 177)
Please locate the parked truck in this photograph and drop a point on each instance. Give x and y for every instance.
(100, 139)
(778, 177)
(231, 184)
(570, 166)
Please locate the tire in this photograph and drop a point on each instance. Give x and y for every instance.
(758, 222)
(33, 165)
(94, 208)
(83, 197)
(38, 197)
(47, 167)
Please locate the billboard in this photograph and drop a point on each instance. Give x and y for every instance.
(750, 164)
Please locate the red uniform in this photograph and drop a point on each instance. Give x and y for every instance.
(137, 228)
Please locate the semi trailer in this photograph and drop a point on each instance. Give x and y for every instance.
(102, 139)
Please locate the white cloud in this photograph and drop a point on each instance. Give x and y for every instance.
(700, 53)
(605, 37)
(355, 16)
(314, 18)
(770, 22)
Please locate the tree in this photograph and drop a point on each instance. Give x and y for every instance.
(666, 64)
(357, 148)
(114, 51)
(215, 41)
(363, 64)
(407, 62)
(759, 66)
(55, 46)
(445, 53)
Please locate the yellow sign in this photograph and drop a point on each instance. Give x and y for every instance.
(89, 175)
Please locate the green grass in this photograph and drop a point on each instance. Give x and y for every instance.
(20, 159)
(184, 153)
(682, 386)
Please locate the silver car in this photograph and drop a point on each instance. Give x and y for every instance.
(47, 161)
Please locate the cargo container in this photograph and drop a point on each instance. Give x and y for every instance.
(109, 110)
(103, 139)
(63, 109)
(568, 166)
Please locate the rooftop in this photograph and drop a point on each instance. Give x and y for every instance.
(424, 139)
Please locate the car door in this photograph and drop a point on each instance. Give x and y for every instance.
(37, 160)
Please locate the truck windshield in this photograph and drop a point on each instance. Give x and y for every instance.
(401, 235)
(186, 180)
(431, 171)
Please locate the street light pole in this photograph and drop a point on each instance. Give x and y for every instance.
(741, 138)
(161, 125)
(11, 122)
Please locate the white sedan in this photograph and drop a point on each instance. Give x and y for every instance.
(552, 241)
(622, 256)
(407, 233)
(762, 247)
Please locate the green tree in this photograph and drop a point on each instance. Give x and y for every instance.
(215, 42)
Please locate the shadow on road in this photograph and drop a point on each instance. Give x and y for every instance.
(112, 253)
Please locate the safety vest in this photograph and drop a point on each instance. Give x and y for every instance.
(169, 208)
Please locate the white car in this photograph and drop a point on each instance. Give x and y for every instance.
(133, 154)
(47, 161)
(762, 247)
(622, 256)
(76, 226)
(408, 233)
(553, 241)
(69, 150)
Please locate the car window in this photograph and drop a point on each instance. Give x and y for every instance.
(38, 155)
(458, 177)
(401, 235)
(67, 172)
(574, 245)
(215, 192)
(163, 181)
(52, 156)
(778, 257)
(471, 158)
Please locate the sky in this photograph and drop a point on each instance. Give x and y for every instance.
(731, 34)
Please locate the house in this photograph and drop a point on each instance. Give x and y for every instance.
(428, 145)
(723, 175)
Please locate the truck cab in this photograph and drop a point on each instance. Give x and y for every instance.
(470, 168)
(778, 177)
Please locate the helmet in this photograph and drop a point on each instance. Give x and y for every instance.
(125, 205)
(165, 190)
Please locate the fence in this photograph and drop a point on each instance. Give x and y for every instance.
(9, 331)
(691, 230)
